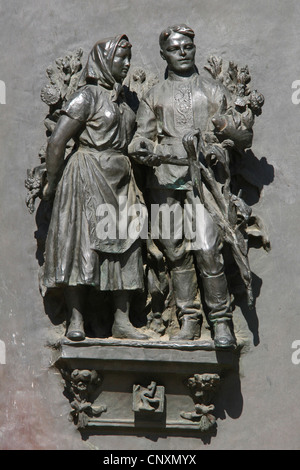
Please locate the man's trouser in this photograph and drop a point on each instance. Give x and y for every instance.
(182, 228)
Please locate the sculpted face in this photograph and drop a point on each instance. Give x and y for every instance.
(121, 63)
(179, 52)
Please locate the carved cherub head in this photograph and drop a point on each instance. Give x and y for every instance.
(204, 381)
(81, 379)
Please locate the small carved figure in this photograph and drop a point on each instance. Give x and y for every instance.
(149, 402)
(91, 181)
(150, 398)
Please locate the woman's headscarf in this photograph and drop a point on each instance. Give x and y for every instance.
(99, 65)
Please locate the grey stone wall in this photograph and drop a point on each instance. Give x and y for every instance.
(264, 35)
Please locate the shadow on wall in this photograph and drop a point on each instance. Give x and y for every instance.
(251, 174)
(229, 400)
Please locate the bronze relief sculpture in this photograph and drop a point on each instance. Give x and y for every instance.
(162, 157)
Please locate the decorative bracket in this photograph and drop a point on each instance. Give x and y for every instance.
(81, 385)
(202, 387)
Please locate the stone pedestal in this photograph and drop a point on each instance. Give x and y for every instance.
(141, 387)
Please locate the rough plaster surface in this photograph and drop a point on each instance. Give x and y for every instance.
(262, 34)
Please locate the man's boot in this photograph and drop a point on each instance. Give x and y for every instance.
(189, 329)
(185, 292)
(223, 337)
(217, 298)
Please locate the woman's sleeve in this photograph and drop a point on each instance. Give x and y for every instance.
(81, 106)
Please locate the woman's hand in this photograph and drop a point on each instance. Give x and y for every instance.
(49, 191)
(66, 129)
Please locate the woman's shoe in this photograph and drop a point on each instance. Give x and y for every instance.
(126, 330)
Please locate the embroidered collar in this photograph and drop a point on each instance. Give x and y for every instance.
(174, 77)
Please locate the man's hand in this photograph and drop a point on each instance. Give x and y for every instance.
(145, 156)
(150, 160)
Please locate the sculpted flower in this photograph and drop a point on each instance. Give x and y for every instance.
(50, 94)
(256, 102)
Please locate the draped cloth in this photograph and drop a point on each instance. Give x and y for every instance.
(99, 65)
(97, 176)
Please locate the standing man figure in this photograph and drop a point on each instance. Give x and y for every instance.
(184, 102)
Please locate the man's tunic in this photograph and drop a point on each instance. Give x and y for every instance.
(168, 111)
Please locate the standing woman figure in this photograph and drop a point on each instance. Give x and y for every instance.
(97, 176)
